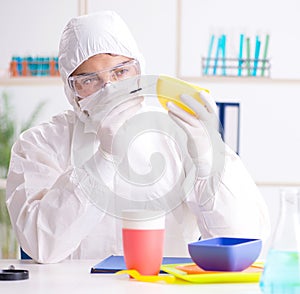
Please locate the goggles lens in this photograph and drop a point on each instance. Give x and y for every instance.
(85, 85)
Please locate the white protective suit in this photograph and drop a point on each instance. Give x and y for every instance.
(49, 209)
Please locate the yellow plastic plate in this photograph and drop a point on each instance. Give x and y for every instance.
(183, 271)
(170, 89)
(151, 279)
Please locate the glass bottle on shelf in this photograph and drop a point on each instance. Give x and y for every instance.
(281, 274)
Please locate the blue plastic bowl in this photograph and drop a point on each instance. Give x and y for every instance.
(225, 254)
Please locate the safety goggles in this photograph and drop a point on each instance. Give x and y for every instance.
(87, 84)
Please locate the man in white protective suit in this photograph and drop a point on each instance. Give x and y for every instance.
(68, 181)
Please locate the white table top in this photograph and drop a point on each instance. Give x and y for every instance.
(74, 276)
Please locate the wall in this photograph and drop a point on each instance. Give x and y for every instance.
(153, 24)
(270, 142)
(269, 109)
(269, 145)
(33, 27)
(232, 17)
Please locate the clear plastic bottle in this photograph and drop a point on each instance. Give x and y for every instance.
(281, 273)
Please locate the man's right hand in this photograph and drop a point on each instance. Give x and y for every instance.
(114, 121)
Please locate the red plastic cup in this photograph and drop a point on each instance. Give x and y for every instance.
(143, 240)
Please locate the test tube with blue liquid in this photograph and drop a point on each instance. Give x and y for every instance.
(210, 47)
(256, 55)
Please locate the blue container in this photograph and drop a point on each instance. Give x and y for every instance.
(224, 253)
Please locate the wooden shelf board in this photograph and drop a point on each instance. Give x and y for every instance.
(250, 80)
(25, 81)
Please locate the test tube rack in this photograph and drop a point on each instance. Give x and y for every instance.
(235, 67)
(37, 66)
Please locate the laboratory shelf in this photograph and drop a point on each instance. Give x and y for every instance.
(237, 80)
(23, 81)
(30, 81)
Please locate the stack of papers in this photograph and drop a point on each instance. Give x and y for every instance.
(115, 263)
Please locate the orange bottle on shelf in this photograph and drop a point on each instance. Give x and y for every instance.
(25, 71)
(52, 67)
(14, 68)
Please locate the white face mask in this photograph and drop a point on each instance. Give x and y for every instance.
(99, 104)
(87, 105)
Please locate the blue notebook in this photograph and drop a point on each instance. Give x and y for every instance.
(116, 263)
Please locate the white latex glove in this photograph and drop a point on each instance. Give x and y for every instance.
(114, 120)
(205, 144)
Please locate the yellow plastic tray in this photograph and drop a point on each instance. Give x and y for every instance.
(249, 275)
(170, 89)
